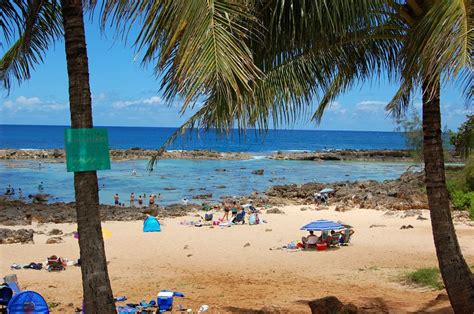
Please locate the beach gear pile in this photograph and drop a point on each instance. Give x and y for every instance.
(163, 303)
(52, 263)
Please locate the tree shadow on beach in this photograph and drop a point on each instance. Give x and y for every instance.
(439, 305)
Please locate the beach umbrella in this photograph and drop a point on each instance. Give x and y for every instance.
(326, 190)
(322, 224)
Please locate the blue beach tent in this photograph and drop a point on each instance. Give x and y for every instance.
(27, 302)
(151, 224)
(321, 225)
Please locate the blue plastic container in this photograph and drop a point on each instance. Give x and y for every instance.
(165, 300)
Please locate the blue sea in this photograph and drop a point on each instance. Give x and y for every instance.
(178, 179)
(37, 137)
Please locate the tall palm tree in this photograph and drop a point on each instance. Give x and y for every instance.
(38, 24)
(284, 53)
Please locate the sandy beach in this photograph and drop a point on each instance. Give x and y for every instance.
(242, 269)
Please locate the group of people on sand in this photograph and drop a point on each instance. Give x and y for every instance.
(333, 238)
(231, 206)
(140, 200)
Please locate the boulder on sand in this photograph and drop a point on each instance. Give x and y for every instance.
(9, 236)
(331, 305)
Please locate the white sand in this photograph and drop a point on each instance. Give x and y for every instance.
(216, 268)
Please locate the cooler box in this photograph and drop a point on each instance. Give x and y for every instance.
(165, 300)
(321, 246)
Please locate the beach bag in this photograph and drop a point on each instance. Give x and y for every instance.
(253, 220)
(208, 217)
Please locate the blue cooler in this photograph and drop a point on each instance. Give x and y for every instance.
(165, 299)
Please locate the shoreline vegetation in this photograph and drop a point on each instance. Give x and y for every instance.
(378, 155)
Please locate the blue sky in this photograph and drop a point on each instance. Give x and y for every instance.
(127, 94)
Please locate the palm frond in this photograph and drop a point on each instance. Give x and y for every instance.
(198, 47)
(42, 25)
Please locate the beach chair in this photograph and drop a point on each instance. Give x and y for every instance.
(55, 263)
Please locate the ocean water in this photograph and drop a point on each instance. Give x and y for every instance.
(178, 179)
(36, 137)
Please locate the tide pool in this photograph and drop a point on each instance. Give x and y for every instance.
(178, 179)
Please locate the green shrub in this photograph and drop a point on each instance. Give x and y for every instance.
(426, 277)
(471, 210)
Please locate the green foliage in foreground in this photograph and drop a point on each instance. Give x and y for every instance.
(461, 187)
(426, 277)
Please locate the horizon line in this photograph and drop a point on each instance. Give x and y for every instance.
(234, 129)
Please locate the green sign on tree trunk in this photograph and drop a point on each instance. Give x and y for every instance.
(87, 150)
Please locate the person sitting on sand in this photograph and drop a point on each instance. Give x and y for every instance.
(311, 239)
(343, 234)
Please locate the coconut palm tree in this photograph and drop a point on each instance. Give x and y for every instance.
(37, 24)
(285, 53)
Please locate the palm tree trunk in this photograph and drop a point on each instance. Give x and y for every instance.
(97, 291)
(457, 277)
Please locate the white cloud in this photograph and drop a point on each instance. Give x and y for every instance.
(151, 101)
(371, 106)
(32, 104)
(336, 107)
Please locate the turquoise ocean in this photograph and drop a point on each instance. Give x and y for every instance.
(178, 179)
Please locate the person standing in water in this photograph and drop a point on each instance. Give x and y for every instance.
(140, 200)
(116, 199)
(40, 187)
(132, 199)
(20, 193)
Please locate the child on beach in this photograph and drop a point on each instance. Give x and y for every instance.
(235, 209)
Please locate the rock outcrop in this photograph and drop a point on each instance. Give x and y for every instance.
(14, 213)
(407, 192)
(125, 154)
(9, 236)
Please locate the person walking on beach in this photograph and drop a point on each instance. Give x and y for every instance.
(116, 199)
(132, 199)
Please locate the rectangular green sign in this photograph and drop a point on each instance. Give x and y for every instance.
(87, 149)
